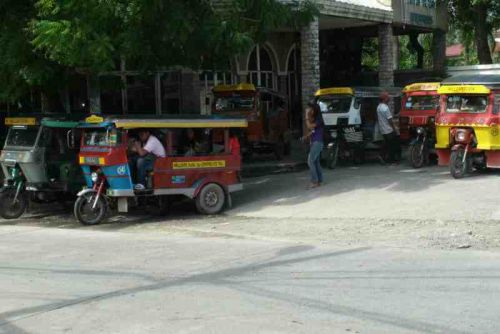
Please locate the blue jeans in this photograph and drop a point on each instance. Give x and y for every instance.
(314, 162)
(142, 165)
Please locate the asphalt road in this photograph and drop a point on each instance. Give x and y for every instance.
(85, 281)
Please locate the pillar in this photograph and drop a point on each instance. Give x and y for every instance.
(309, 48)
(386, 55)
(190, 92)
(439, 51)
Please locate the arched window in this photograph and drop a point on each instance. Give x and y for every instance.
(260, 68)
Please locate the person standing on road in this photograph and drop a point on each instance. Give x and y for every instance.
(315, 126)
(388, 131)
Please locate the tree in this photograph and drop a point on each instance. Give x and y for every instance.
(476, 19)
(21, 68)
(94, 36)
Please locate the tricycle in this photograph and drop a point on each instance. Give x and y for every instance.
(416, 123)
(208, 175)
(350, 116)
(39, 161)
(467, 126)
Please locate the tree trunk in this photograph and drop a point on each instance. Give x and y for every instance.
(481, 32)
(418, 48)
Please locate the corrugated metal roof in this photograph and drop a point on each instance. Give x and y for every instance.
(490, 80)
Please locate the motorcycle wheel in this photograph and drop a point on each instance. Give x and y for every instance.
(417, 155)
(332, 156)
(84, 212)
(459, 168)
(10, 209)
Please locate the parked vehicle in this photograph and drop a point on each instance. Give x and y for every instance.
(350, 116)
(417, 120)
(266, 112)
(467, 127)
(39, 161)
(209, 176)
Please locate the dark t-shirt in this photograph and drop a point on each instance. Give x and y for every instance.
(317, 133)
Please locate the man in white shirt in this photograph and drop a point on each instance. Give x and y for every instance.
(148, 149)
(387, 129)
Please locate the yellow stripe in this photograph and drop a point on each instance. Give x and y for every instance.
(422, 86)
(20, 121)
(463, 89)
(335, 90)
(181, 125)
(199, 164)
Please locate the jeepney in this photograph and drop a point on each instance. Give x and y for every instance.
(208, 176)
(39, 161)
(265, 110)
(416, 122)
(467, 126)
(350, 116)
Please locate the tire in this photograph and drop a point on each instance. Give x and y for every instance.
(332, 156)
(83, 205)
(417, 155)
(459, 169)
(9, 209)
(211, 199)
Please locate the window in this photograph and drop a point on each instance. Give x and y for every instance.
(335, 104)
(466, 104)
(234, 103)
(24, 136)
(101, 137)
(424, 102)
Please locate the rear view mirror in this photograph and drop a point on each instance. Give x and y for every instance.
(70, 139)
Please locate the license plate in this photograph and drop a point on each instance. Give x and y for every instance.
(92, 160)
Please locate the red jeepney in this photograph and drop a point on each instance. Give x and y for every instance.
(266, 112)
(420, 105)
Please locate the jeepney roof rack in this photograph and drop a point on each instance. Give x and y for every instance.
(422, 86)
(491, 80)
(165, 121)
(360, 91)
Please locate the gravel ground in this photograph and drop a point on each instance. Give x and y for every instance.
(370, 205)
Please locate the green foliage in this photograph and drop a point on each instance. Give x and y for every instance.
(21, 68)
(43, 41)
(464, 21)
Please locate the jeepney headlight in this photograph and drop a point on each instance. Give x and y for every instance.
(420, 130)
(460, 136)
(333, 134)
(94, 177)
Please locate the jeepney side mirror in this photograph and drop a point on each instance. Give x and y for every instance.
(70, 139)
(357, 103)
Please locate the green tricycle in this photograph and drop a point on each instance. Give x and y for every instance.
(39, 161)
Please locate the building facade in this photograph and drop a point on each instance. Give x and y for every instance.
(326, 52)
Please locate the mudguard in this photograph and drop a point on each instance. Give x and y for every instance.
(201, 183)
(86, 191)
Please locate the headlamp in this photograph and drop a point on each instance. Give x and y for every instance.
(94, 177)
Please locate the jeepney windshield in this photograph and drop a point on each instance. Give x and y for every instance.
(339, 104)
(422, 102)
(466, 103)
(101, 137)
(234, 103)
(22, 136)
